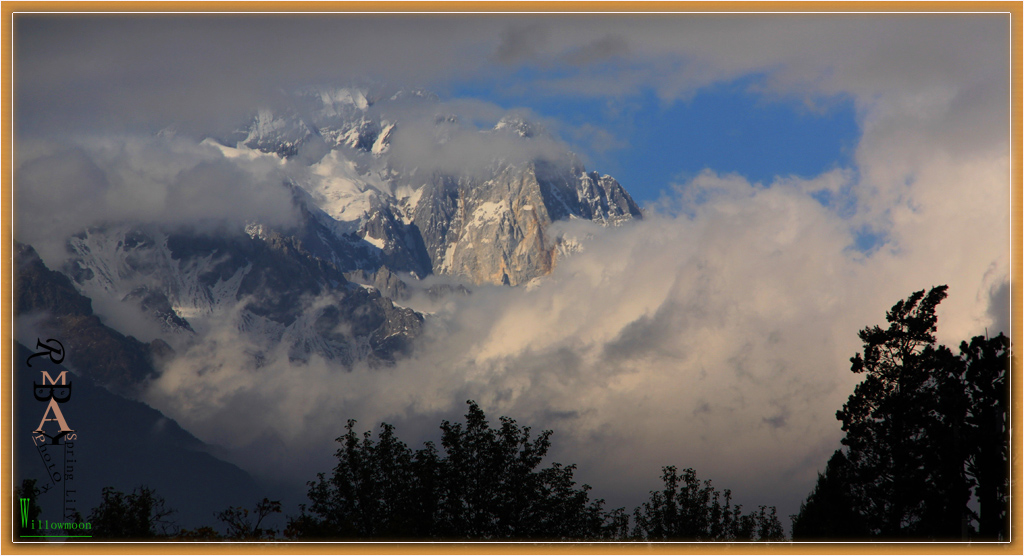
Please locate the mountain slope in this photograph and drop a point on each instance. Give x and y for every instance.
(103, 354)
(265, 285)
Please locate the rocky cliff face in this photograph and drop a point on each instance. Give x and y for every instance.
(490, 228)
(497, 231)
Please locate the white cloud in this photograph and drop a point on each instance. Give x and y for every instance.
(63, 187)
(717, 339)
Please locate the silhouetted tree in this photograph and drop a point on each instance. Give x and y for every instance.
(923, 428)
(690, 510)
(485, 485)
(245, 525)
(987, 366)
(829, 513)
(489, 486)
(139, 515)
(902, 452)
(375, 491)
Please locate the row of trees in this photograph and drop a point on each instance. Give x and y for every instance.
(926, 450)
(487, 484)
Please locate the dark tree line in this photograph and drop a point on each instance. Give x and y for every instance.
(140, 514)
(926, 451)
(143, 515)
(487, 484)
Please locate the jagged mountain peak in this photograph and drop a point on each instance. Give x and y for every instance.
(448, 220)
(282, 134)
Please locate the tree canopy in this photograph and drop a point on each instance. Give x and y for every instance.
(925, 431)
(141, 514)
(693, 511)
(488, 483)
(484, 485)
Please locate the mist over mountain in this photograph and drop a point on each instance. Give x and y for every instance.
(366, 219)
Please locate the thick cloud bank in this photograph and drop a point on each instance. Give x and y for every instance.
(714, 334)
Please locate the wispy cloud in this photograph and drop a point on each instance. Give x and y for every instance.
(65, 186)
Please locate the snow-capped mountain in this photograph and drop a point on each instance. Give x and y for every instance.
(487, 228)
(372, 220)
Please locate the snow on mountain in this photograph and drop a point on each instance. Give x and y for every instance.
(383, 142)
(339, 190)
(276, 133)
(364, 215)
(334, 101)
(496, 231)
(266, 288)
(445, 223)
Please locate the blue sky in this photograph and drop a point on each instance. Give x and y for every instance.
(729, 127)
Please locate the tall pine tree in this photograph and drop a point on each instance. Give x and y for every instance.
(925, 430)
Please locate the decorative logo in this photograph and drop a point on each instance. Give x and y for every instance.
(57, 392)
(53, 431)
